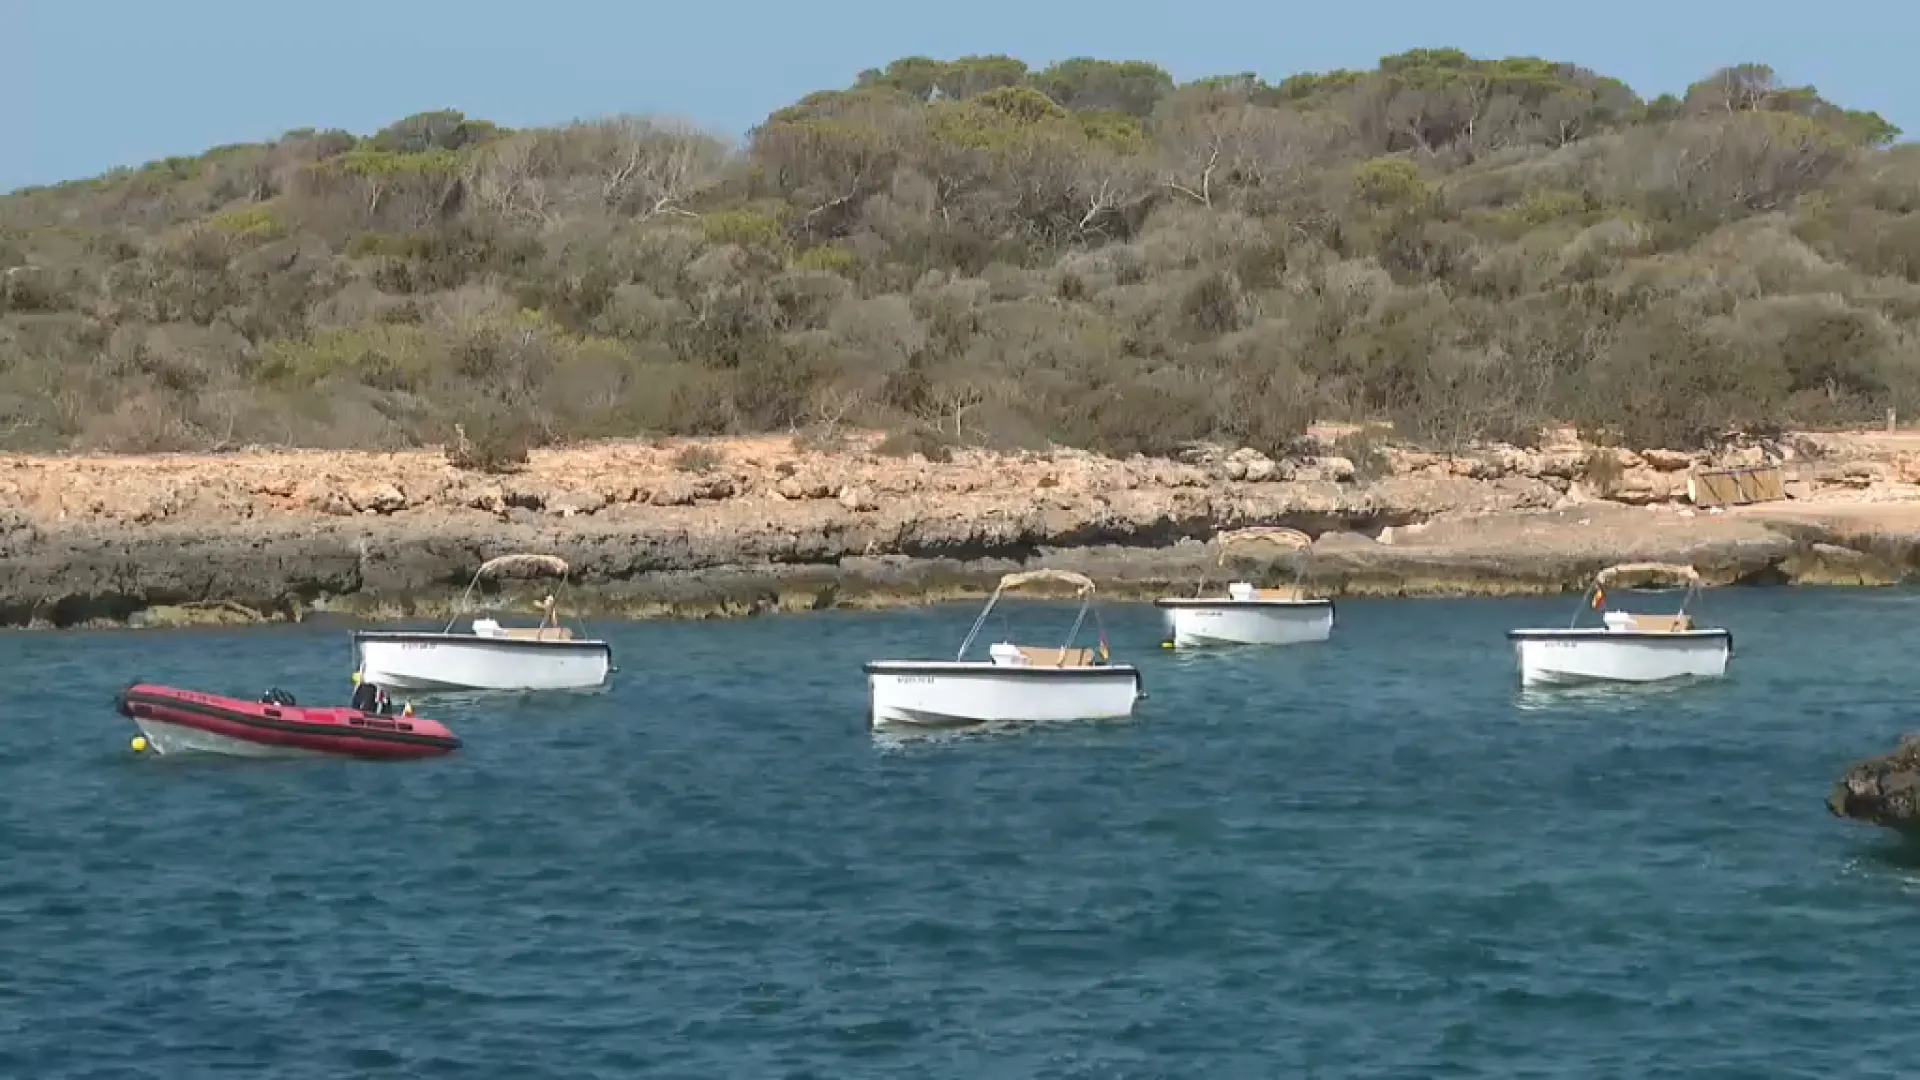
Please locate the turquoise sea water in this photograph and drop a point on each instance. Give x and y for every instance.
(1373, 857)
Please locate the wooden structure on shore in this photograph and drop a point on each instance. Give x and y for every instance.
(1735, 486)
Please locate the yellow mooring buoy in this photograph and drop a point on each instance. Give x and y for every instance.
(139, 744)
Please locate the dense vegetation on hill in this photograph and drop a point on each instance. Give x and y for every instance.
(979, 252)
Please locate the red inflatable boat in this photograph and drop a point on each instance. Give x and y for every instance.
(178, 721)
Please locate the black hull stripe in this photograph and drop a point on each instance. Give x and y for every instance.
(1139, 682)
(543, 644)
(1619, 635)
(1190, 602)
(1028, 671)
(296, 727)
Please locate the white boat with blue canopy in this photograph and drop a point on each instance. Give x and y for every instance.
(1247, 615)
(488, 656)
(1017, 683)
(1626, 647)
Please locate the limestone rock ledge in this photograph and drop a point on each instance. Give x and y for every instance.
(102, 573)
(755, 525)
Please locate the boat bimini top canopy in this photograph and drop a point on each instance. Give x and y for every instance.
(1645, 574)
(1237, 542)
(1629, 575)
(522, 564)
(552, 564)
(1065, 656)
(1081, 583)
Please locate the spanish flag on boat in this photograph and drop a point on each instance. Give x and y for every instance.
(1599, 598)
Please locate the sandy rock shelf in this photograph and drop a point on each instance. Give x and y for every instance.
(740, 526)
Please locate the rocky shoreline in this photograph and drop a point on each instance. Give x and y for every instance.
(702, 529)
(1882, 790)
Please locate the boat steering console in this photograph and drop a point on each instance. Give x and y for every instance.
(371, 699)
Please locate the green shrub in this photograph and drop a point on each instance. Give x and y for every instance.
(984, 255)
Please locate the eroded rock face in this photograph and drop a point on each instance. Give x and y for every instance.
(796, 486)
(1337, 469)
(1667, 460)
(858, 499)
(1832, 564)
(86, 538)
(376, 497)
(1645, 486)
(1882, 790)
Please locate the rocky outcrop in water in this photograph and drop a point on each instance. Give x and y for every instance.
(693, 528)
(1882, 790)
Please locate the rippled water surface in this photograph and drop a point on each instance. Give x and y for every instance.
(1373, 857)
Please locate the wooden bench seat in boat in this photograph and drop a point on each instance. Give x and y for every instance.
(1056, 657)
(551, 633)
(1662, 624)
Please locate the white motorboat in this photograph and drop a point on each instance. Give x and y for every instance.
(1016, 683)
(1248, 615)
(488, 656)
(1627, 647)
